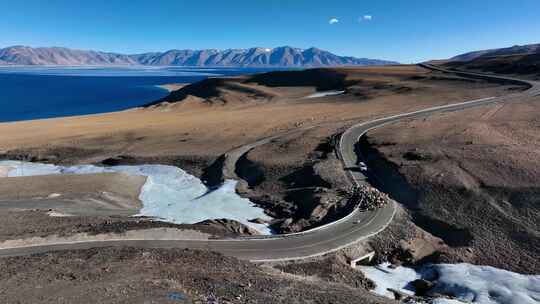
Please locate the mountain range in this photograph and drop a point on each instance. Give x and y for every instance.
(513, 50)
(254, 57)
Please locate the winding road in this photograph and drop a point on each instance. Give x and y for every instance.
(355, 227)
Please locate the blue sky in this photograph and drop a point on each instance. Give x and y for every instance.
(407, 31)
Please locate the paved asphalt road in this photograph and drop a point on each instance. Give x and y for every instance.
(355, 227)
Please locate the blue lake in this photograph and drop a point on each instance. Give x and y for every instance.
(45, 92)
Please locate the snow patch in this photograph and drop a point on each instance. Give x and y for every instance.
(57, 214)
(4, 170)
(325, 93)
(468, 283)
(485, 284)
(386, 277)
(169, 193)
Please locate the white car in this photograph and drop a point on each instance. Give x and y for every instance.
(362, 166)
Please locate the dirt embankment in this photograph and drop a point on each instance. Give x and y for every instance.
(333, 269)
(131, 275)
(23, 224)
(469, 178)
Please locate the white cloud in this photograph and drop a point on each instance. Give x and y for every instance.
(366, 18)
(333, 21)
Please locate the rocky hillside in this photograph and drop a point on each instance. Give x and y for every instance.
(254, 57)
(524, 65)
(514, 50)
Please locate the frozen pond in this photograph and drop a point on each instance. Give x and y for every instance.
(169, 193)
(468, 283)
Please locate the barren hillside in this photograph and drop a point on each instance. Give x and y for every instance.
(469, 178)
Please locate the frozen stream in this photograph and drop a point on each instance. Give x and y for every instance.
(169, 193)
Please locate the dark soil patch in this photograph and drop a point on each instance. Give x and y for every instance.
(330, 269)
(450, 234)
(249, 171)
(322, 79)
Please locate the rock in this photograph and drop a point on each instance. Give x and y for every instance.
(416, 155)
(299, 225)
(398, 295)
(287, 222)
(258, 221)
(242, 187)
(422, 286)
(231, 225)
(368, 198)
(118, 160)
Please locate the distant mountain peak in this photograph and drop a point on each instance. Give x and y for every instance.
(283, 56)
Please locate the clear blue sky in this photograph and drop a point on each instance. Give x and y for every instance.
(406, 31)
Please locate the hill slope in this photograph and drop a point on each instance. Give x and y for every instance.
(528, 64)
(254, 57)
(514, 50)
(515, 60)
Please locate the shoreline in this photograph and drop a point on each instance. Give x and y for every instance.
(170, 87)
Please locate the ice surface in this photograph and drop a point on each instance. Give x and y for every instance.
(446, 301)
(169, 193)
(484, 284)
(325, 93)
(386, 277)
(468, 283)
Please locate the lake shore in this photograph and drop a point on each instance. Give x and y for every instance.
(69, 91)
(172, 86)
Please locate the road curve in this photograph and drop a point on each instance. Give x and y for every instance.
(533, 90)
(231, 158)
(353, 228)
